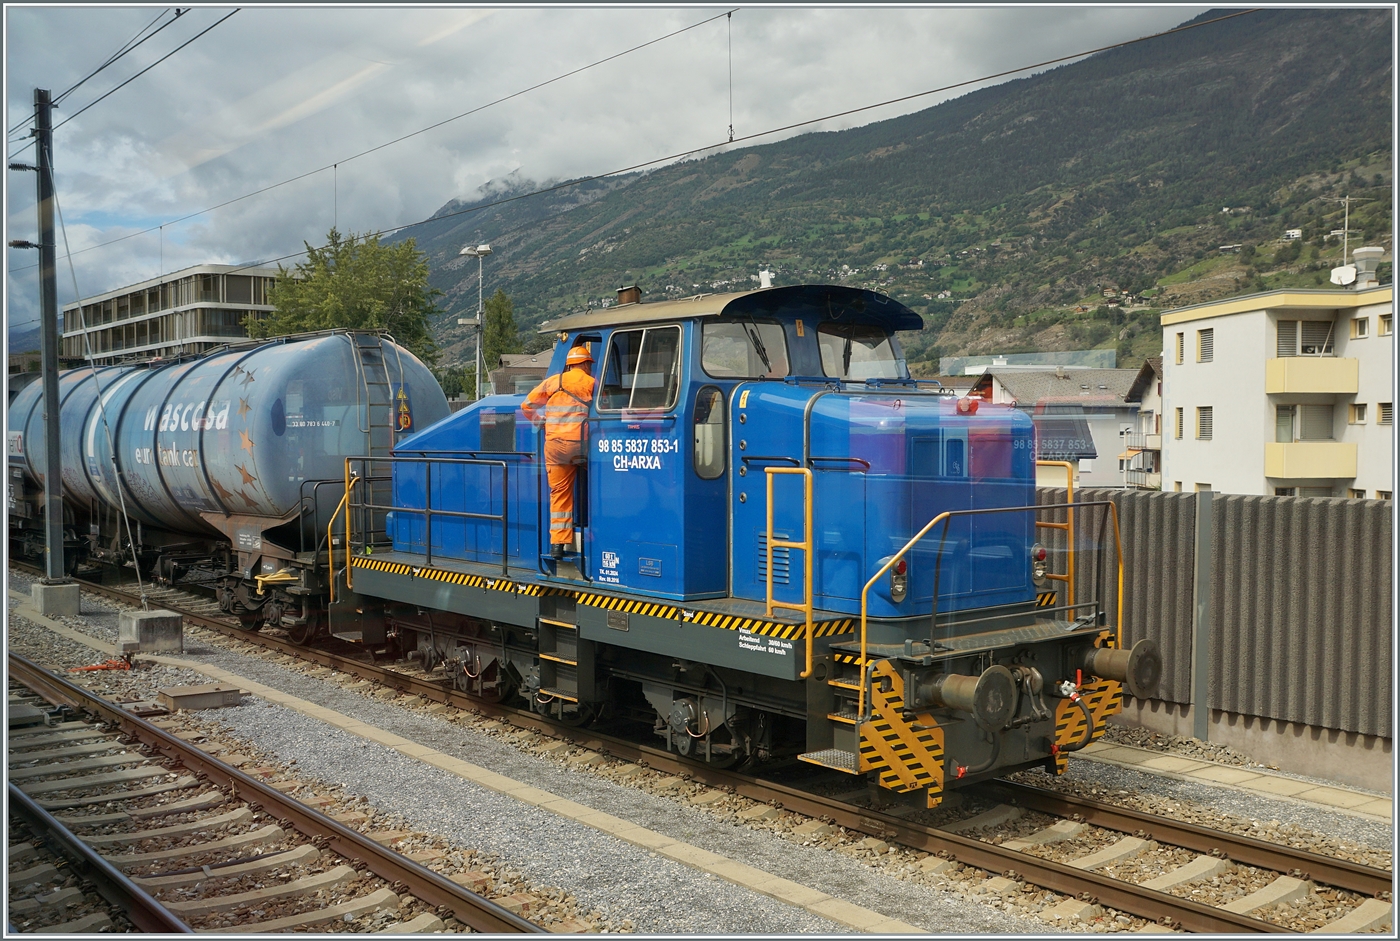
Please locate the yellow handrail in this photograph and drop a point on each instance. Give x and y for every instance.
(1118, 548)
(864, 592)
(805, 545)
(330, 545)
(1067, 526)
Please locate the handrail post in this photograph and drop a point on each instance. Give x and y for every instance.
(427, 512)
(505, 518)
(349, 551)
(805, 545)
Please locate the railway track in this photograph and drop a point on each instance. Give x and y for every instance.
(172, 836)
(1281, 874)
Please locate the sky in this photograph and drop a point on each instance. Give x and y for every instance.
(274, 93)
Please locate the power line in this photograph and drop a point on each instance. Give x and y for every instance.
(365, 153)
(130, 47)
(125, 48)
(771, 131)
(140, 73)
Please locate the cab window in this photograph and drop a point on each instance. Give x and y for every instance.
(736, 349)
(642, 370)
(857, 351)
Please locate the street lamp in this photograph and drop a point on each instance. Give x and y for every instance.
(478, 252)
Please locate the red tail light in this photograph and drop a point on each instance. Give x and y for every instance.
(901, 566)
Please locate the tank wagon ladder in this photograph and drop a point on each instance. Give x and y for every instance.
(379, 417)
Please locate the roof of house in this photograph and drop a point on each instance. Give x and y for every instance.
(527, 360)
(1097, 387)
(1150, 372)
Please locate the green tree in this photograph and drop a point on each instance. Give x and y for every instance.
(500, 333)
(357, 283)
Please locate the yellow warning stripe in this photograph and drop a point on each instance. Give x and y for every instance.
(1045, 599)
(453, 578)
(784, 629)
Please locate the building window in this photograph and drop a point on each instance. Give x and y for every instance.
(1205, 345)
(1382, 494)
(1205, 421)
(1360, 328)
(1283, 424)
(1177, 487)
(1304, 338)
(1384, 413)
(1357, 413)
(1202, 488)
(1314, 423)
(1180, 348)
(1316, 492)
(1385, 325)
(1285, 491)
(1356, 494)
(1180, 421)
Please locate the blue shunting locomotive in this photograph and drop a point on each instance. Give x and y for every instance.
(785, 547)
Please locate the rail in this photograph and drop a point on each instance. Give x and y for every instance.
(1067, 526)
(111, 883)
(805, 544)
(469, 908)
(946, 518)
(427, 510)
(1048, 874)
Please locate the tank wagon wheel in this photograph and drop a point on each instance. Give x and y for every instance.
(583, 715)
(304, 633)
(250, 621)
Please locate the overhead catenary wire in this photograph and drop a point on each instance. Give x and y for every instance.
(767, 133)
(142, 72)
(128, 48)
(334, 167)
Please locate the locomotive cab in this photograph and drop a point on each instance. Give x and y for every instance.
(785, 547)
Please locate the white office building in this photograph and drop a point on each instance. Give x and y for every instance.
(1286, 392)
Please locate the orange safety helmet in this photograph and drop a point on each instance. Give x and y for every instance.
(579, 355)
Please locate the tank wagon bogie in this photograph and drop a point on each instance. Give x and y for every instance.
(784, 547)
(230, 462)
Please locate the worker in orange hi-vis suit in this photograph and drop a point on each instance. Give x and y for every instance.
(564, 398)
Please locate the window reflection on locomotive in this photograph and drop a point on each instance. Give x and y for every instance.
(643, 369)
(728, 350)
(709, 433)
(857, 351)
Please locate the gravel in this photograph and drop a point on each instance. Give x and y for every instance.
(616, 878)
(622, 880)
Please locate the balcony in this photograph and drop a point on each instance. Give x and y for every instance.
(1141, 442)
(1143, 480)
(1298, 375)
(1326, 459)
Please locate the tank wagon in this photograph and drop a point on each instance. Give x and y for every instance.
(784, 547)
(231, 461)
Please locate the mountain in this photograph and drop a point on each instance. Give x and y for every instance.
(23, 339)
(1162, 173)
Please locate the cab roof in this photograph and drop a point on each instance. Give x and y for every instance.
(832, 302)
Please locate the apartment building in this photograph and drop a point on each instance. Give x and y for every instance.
(187, 311)
(1142, 461)
(1286, 392)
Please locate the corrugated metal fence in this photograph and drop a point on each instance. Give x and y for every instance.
(1298, 625)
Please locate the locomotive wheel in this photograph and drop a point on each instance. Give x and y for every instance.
(583, 715)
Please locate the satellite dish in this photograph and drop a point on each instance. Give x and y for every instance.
(1344, 275)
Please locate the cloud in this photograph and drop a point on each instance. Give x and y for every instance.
(274, 93)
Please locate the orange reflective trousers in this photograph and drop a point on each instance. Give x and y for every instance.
(561, 461)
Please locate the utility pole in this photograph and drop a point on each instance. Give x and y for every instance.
(48, 343)
(55, 594)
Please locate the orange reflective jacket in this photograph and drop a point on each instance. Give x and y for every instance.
(564, 398)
